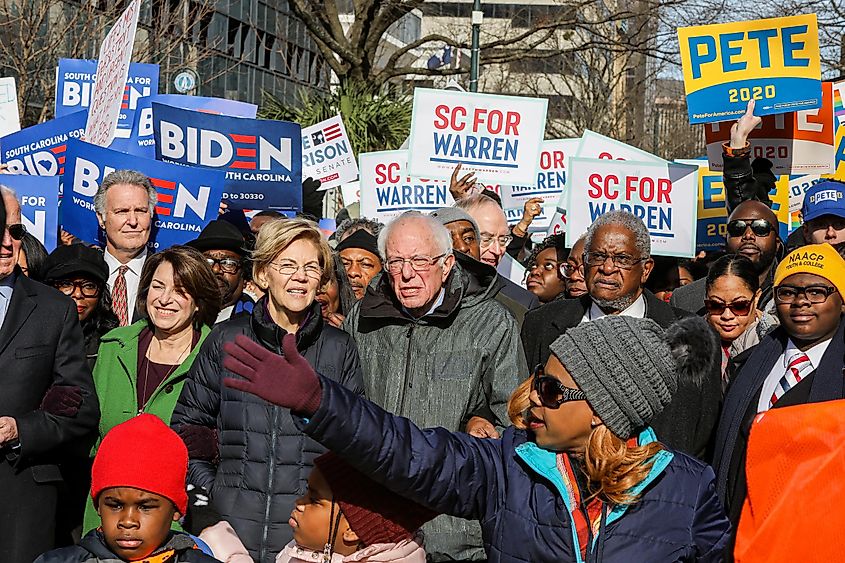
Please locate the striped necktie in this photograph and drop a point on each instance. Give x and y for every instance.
(798, 366)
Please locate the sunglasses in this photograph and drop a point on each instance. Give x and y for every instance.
(16, 231)
(760, 227)
(740, 308)
(553, 393)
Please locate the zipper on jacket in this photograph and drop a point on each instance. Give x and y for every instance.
(262, 548)
(408, 379)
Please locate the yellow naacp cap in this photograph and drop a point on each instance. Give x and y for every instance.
(819, 259)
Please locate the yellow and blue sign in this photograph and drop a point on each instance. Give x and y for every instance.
(774, 61)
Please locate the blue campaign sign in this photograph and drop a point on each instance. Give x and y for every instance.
(39, 199)
(188, 197)
(75, 83)
(142, 142)
(262, 158)
(40, 150)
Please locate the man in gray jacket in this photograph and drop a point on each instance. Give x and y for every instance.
(435, 347)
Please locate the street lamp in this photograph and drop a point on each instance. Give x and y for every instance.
(477, 16)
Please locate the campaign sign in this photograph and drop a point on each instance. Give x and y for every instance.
(188, 197)
(799, 142)
(839, 102)
(75, 82)
(662, 194)
(551, 179)
(594, 145)
(712, 211)
(39, 199)
(40, 150)
(387, 190)
(262, 158)
(142, 141)
(327, 154)
(108, 96)
(350, 193)
(541, 222)
(497, 137)
(774, 61)
(10, 120)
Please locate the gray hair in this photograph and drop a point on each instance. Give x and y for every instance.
(642, 240)
(441, 235)
(475, 200)
(351, 226)
(131, 177)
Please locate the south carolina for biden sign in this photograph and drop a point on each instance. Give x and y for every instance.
(497, 137)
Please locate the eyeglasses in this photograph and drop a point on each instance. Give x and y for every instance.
(16, 231)
(566, 269)
(312, 271)
(788, 294)
(418, 263)
(621, 261)
(553, 393)
(760, 227)
(86, 288)
(486, 240)
(740, 308)
(227, 265)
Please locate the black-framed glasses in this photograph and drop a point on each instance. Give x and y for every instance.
(86, 288)
(621, 261)
(227, 265)
(418, 263)
(760, 227)
(788, 294)
(740, 308)
(16, 231)
(553, 393)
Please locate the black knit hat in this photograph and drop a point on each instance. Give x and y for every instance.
(220, 235)
(66, 261)
(362, 239)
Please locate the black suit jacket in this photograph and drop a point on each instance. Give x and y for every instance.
(41, 345)
(688, 423)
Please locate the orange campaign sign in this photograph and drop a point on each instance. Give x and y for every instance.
(799, 142)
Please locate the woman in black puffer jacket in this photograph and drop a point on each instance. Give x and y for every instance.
(246, 452)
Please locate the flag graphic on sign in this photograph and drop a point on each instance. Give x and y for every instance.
(326, 134)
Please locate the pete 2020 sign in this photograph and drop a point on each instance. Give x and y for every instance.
(663, 195)
(188, 197)
(327, 154)
(388, 191)
(799, 142)
(262, 158)
(497, 137)
(39, 199)
(40, 150)
(774, 61)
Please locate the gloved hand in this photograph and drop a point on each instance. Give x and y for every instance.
(287, 381)
(201, 441)
(62, 400)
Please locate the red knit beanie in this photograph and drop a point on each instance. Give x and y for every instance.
(142, 453)
(375, 514)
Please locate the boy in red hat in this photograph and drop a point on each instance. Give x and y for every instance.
(138, 488)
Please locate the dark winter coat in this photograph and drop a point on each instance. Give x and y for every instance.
(93, 549)
(514, 489)
(264, 459)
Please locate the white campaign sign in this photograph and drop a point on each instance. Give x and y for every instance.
(551, 179)
(112, 72)
(497, 137)
(512, 269)
(10, 121)
(351, 193)
(327, 154)
(594, 145)
(663, 194)
(388, 191)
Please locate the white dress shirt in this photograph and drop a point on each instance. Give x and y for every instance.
(132, 277)
(773, 379)
(635, 309)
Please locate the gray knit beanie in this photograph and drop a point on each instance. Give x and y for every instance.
(628, 367)
(448, 215)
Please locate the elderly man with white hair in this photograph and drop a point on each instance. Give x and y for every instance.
(437, 348)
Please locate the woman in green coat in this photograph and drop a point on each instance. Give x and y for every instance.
(141, 367)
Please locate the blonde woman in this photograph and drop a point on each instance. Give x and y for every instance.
(247, 453)
(580, 477)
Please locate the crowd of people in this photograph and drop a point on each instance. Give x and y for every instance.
(264, 393)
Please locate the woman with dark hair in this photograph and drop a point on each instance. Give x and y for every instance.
(80, 272)
(142, 367)
(32, 260)
(542, 274)
(336, 297)
(732, 292)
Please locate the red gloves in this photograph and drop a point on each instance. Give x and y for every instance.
(287, 381)
(62, 400)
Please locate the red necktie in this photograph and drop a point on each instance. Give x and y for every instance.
(118, 296)
(798, 366)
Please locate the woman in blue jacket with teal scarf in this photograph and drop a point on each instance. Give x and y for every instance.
(579, 477)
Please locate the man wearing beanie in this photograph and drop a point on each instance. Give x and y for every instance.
(799, 362)
(360, 257)
(138, 488)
